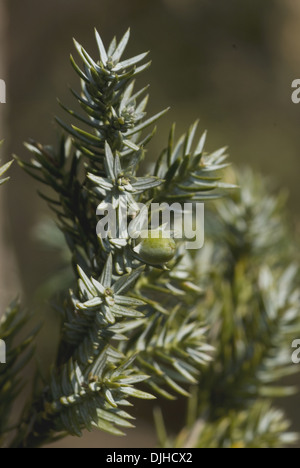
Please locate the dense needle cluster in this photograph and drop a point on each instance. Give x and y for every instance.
(127, 320)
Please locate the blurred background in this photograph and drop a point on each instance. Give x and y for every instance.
(230, 64)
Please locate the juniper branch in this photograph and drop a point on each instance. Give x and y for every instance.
(115, 334)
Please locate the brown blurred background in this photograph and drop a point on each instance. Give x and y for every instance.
(230, 63)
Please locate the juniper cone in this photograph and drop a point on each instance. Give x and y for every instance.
(155, 251)
(146, 318)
